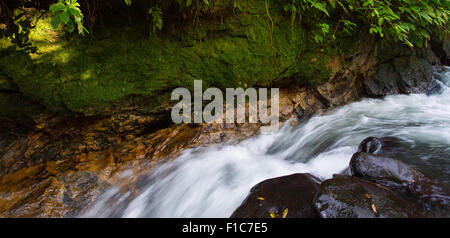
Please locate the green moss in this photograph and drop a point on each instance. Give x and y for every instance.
(88, 75)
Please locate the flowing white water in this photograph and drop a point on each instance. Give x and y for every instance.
(212, 182)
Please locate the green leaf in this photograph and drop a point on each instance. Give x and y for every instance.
(321, 7)
(318, 38)
(55, 21)
(368, 2)
(65, 17)
(325, 28)
(75, 12)
(332, 3)
(54, 8)
(71, 26)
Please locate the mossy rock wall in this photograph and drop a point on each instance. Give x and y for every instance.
(122, 65)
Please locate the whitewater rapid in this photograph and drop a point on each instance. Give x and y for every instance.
(213, 181)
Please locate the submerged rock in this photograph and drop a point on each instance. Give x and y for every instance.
(352, 197)
(400, 177)
(288, 196)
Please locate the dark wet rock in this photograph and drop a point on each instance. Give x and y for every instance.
(383, 170)
(433, 88)
(402, 71)
(352, 197)
(291, 195)
(371, 145)
(391, 147)
(441, 47)
(400, 177)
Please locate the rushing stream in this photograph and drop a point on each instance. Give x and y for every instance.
(213, 181)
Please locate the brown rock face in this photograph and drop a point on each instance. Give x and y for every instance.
(283, 197)
(64, 165)
(34, 193)
(54, 171)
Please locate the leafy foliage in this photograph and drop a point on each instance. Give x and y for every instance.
(68, 13)
(410, 22)
(21, 36)
(407, 21)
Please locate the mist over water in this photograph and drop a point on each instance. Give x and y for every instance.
(213, 181)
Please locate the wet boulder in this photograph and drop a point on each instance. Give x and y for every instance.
(383, 170)
(283, 197)
(371, 145)
(386, 146)
(352, 197)
(400, 177)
